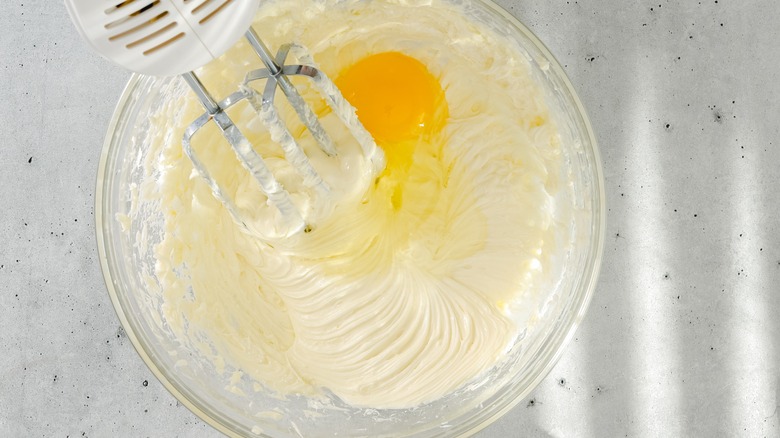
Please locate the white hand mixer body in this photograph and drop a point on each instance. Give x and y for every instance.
(174, 37)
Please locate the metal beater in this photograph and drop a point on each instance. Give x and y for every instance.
(174, 37)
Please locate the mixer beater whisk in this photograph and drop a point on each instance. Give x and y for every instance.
(170, 37)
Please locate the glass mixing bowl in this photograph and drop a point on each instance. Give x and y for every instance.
(126, 242)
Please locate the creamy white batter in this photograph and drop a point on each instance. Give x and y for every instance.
(384, 304)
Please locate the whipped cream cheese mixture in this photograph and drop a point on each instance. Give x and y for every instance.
(424, 273)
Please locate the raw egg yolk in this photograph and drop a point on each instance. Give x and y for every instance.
(396, 97)
(403, 106)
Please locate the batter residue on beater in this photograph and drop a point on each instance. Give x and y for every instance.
(422, 277)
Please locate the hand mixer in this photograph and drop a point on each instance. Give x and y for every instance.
(174, 37)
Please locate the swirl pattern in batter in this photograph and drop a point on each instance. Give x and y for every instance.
(417, 281)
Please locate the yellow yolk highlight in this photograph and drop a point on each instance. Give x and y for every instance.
(402, 105)
(395, 95)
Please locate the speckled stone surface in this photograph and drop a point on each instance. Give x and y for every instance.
(683, 335)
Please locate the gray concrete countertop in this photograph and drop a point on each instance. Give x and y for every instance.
(683, 335)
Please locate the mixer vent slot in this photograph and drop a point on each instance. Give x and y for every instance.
(142, 30)
(201, 8)
(140, 27)
(214, 12)
(130, 16)
(164, 44)
(118, 6)
(152, 35)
